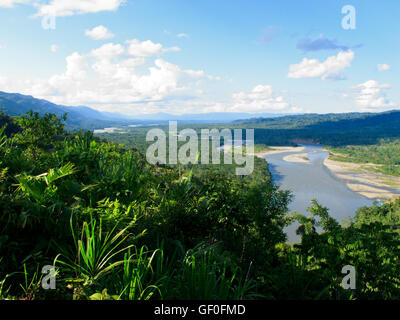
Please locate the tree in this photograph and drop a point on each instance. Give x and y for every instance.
(38, 132)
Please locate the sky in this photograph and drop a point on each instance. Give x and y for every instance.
(199, 56)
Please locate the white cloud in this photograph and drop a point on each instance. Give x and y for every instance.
(76, 68)
(147, 48)
(331, 68)
(10, 3)
(383, 67)
(108, 51)
(370, 95)
(143, 49)
(53, 48)
(195, 73)
(109, 78)
(260, 99)
(72, 7)
(182, 35)
(99, 33)
(172, 49)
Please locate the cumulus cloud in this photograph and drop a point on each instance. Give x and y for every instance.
(76, 67)
(383, 67)
(11, 3)
(143, 49)
(108, 51)
(71, 7)
(99, 33)
(371, 95)
(260, 99)
(331, 68)
(115, 74)
(147, 48)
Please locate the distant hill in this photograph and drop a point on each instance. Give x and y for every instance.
(303, 119)
(15, 104)
(332, 129)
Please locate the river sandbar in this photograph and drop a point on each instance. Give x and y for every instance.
(297, 158)
(275, 150)
(368, 183)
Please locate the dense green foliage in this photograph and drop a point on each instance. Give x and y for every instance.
(116, 227)
(385, 154)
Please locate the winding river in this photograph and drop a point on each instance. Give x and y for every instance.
(312, 179)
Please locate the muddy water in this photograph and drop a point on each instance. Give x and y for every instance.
(313, 180)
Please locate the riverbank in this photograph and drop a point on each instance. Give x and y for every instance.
(275, 150)
(271, 150)
(304, 174)
(356, 177)
(365, 182)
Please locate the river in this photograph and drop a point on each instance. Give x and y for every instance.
(313, 180)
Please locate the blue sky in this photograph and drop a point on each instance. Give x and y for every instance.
(184, 56)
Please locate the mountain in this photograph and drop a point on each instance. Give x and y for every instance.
(15, 104)
(349, 120)
(335, 129)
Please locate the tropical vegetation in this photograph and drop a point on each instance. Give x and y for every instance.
(114, 227)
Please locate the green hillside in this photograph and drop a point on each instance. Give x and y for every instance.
(330, 129)
(15, 104)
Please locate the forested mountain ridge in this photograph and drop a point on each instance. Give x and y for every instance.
(306, 120)
(15, 104)
(328, 129)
